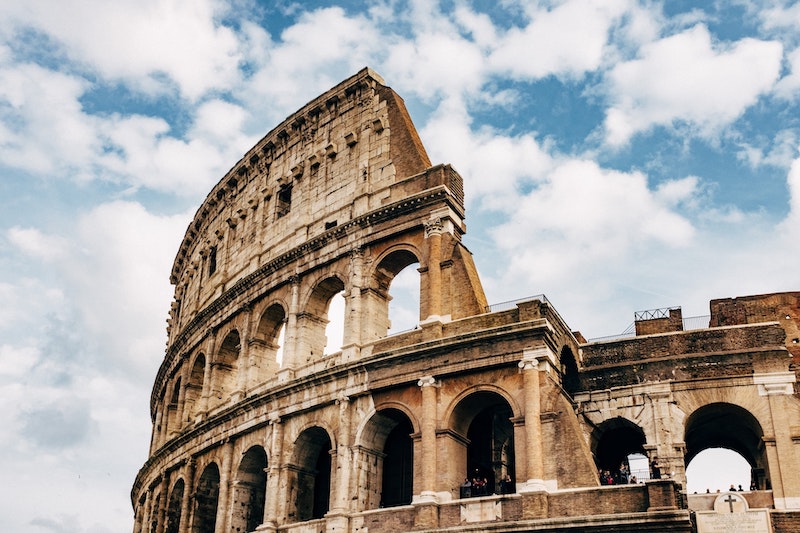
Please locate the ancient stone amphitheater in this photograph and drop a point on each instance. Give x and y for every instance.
(257, 428)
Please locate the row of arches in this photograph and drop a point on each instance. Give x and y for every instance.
(284, 335)
(382, 468)
(715, 426)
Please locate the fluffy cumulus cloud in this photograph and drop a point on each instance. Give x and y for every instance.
(687, 78)
(568, 38)
(123, 115)
(152, 45)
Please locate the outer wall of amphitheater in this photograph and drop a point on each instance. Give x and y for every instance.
(481, 417)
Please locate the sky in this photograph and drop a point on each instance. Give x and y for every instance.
(617, 156)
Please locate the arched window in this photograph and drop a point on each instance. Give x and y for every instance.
(194, 388)
(266, 346)
(614, 442)
(174, 507)
(570, 379)
(313, 322)
(728, 427)
(484, 418)
(311, 475)
(225, 374)
(388, 459)
(393, 304)
(250, 489)
(206, 501)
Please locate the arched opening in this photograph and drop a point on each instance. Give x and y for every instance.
(398, 310)
(570, 379)
(225, 368)
(311, 475)
(718, 469)
(616, 444)
(249, 492)
(267, 344)
(313, 322)
(488, 460)
(387, 459)
(173, 409)
(404, 299)
(206, 499)
(728, 427)
(334, 329)
(174, 507)
(194, 388)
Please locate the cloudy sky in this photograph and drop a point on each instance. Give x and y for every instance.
(618, 156)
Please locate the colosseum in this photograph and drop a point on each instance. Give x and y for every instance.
(482, 417)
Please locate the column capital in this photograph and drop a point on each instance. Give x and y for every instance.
(537, 358)
(428, 381)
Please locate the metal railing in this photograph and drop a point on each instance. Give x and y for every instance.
(689, 324)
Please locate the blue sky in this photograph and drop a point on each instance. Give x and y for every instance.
(617, 156)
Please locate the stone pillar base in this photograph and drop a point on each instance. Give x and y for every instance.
(337, 522)
(426, 515)
(661, 495)
(534, 505)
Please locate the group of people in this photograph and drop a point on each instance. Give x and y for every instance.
(479, 486)
(620, 476)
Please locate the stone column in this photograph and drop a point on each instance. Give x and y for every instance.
(246, 367)
(185, 374)
(291, 336)
(341, 496)
(433, 235)
(530, 368)
(225, 482)
(428, 384)
(188, 490)
(273, 477)
(353, 308)
(161, 515)
(782, 458)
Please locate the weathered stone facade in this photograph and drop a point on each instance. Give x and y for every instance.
(255, 427)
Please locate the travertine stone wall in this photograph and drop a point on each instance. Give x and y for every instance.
(256, 428)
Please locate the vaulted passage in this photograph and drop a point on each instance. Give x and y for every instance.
(613, 442)
(398, 461)
(206, 501)
(490, 457)
(174, 507)
(724, 425)
(249, 491)
(311, 474)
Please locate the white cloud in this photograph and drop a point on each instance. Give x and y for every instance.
(37, 106)
(686, 78)
(146, 156)
(568, 39)
(789, 86)
(34, 243)
(149, 44)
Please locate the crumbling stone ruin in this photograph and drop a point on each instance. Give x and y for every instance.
(481, 417)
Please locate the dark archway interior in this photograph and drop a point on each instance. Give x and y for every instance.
(313, 459)
(250, 491)
(724, 425)
(398, 461)
(614, 440)
(490, 435)
(570, 378)
(206, 500)
(174, 508)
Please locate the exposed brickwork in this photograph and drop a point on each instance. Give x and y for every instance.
(785, 521)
